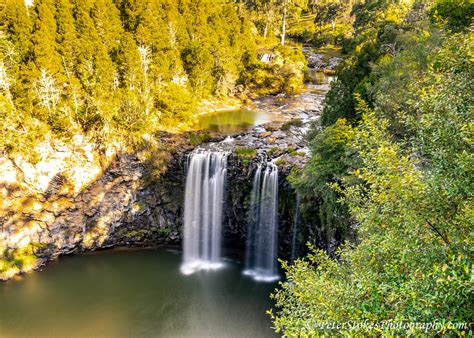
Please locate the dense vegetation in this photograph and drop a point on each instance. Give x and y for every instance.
(125, 68)
(392, 158)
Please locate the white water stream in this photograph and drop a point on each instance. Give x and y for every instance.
(203, 206)
(262, 235)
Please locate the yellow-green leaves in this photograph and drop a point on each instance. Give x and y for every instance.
(404, 173)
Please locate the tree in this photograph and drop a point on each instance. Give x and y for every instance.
(402, 269)
(155, 33)
(266, 14)
(289, 7)
(107, 21)
(66, 36)
(330, 163)
(46, 56)
(376, 24)
(196, 62)
(5, 83)
(109, 64)
(327, 12)
(458, 14)
(407, 187)
(129, 63)
(47, 91)
(18, 26)
(95, 68)
(271, 11)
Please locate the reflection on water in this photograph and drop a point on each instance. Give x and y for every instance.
(231, 121)
(319, 77)
(133, 294)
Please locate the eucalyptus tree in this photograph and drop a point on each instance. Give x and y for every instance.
(265, 15)
(290, 8)
(328, 11)
(273, 13)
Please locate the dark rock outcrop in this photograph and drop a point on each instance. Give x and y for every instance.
(128, 205)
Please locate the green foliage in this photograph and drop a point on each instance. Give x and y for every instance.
(271, 16)
(21, 259)
(283, 74)
(403, 173)
(120, 70)
(199, 137)
(457, 14)
(325, 22)
(329, 164)
(337, 36)
(376, 24)
(275, 151)
(17, 24)
(411, 263)
(176, 104)
(245, 152)
(45, 55)
(329, 161)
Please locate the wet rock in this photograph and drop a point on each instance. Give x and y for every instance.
(279, 135)
(321, 62)
(124, 204)
(265, 134)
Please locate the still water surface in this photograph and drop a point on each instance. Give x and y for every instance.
(241, 120)
(318, 77)
(133, 293)
(231, 121)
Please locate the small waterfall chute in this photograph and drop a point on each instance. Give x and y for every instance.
(203, 205)
(262, 231)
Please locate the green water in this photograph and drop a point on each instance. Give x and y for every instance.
(231, 121)
(320, 78)
(133, 293)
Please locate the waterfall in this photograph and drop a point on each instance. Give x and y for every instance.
(262, 231)
(296, 222)
(203, 205)
(253, 219)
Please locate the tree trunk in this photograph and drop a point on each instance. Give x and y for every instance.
(283, 25)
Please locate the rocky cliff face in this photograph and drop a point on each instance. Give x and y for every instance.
(75, 198)
(122, 207)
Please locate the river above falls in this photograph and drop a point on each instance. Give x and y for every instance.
(232, 121)
(134, 293)
(268, 108)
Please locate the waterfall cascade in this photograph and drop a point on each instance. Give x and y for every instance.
(203, 206)
(262, 232)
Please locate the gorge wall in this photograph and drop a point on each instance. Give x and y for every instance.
(76, 198)
(122, 205)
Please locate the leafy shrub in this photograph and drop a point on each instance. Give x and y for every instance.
(292, 123)
(458, 14)
(245, 152)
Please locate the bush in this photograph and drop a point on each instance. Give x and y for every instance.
(403, 174)
(176, 103)
(198, 137)
(245, 152)
(283, 74)
(457, 14)
(293, 123)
